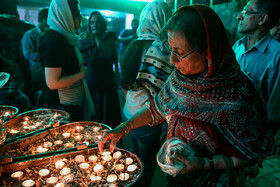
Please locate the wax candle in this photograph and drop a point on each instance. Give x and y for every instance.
(131, 168)
(117, 155)
(87, 137)
(6, 114)
(47, 144)
(67, 179)
(37, 124)
(28, 183)
(112, 178)
(98, 137)
(65, 171)
(42, 149)
(78, 138)
(92, 158)
(69, 145)
(98, 168)
(79, 128)
(59, 164)
(13, 131)
(17, 175)
(26, 127)
(119, 167)
(85, 142)
(60, 185)
(106, 156)
(33, 127)
(52, 180)
(66, 135)
(128, 161)
(84, 166)
(44, 172)
(124, 176)
(26, 118)
(94, 178)
(96, 129)
(80, 158)
(58, 142)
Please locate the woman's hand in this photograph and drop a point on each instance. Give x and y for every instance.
(192, 164)
(111, 137)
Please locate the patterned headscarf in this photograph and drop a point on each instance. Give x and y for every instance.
(152, 18)
(223, 100)
(61, 20)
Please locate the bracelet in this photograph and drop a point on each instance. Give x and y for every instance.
(211, 163)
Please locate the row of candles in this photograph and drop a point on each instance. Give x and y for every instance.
(84, 166)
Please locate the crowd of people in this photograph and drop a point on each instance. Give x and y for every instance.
(177, 71)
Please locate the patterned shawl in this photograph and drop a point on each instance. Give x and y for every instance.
(152, 18)
(222, 103)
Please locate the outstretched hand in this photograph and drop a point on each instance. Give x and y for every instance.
(111, 137)
(192, 164)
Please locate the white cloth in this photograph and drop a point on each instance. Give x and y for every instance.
(61, 20)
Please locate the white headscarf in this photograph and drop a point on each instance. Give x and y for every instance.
(152, 18)
(61, 20)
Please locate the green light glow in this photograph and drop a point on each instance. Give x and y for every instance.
(142, 0)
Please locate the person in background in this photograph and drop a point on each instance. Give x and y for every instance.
(126, 36)
(207, 102)
(100, 53)
(275, 31)
(62, 60)
(258, 54)
(29, 43)
(147, 53)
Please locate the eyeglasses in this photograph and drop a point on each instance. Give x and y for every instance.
(167, 47)
(245, 12)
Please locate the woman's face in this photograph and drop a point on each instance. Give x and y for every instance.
(192, 64)
(96, 24)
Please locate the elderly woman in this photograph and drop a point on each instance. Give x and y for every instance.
(62, 60)
(207, 101)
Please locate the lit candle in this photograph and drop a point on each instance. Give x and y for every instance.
(59, 164)
(28, 183)
(85, 142)
(79, 128)
(47, 144)
(117, 155)
(131, 168)
(58, 142)
(66, 135)
(33, 127)
(96, 129)
(37, 124)
(26, 118)
(124, 176)
(67, 179)
(7, 114)
(84, 166)
(17, 175)
(78, 138)
(65, 171)
(112, 178)
(13, 131)
(128, 161)
(98, 168)
(52, 180)
(94, 178)
(44, 172)
(98, 137)
(119, 167)
(92, 158)
(55, 115)
(60, 185)
(69, 145)
(87, 137)
(26, 127)
(80, 158)
(107, 156)
(41, 149)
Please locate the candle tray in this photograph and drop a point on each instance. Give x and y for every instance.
(12, 111)
(36, 121)
(28, 148)
(77, 176)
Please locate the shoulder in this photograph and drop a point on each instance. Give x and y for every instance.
(52, 37)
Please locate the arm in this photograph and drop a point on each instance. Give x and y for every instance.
(54, 79)
(193, 164)
(140, 119)
(29, 47)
